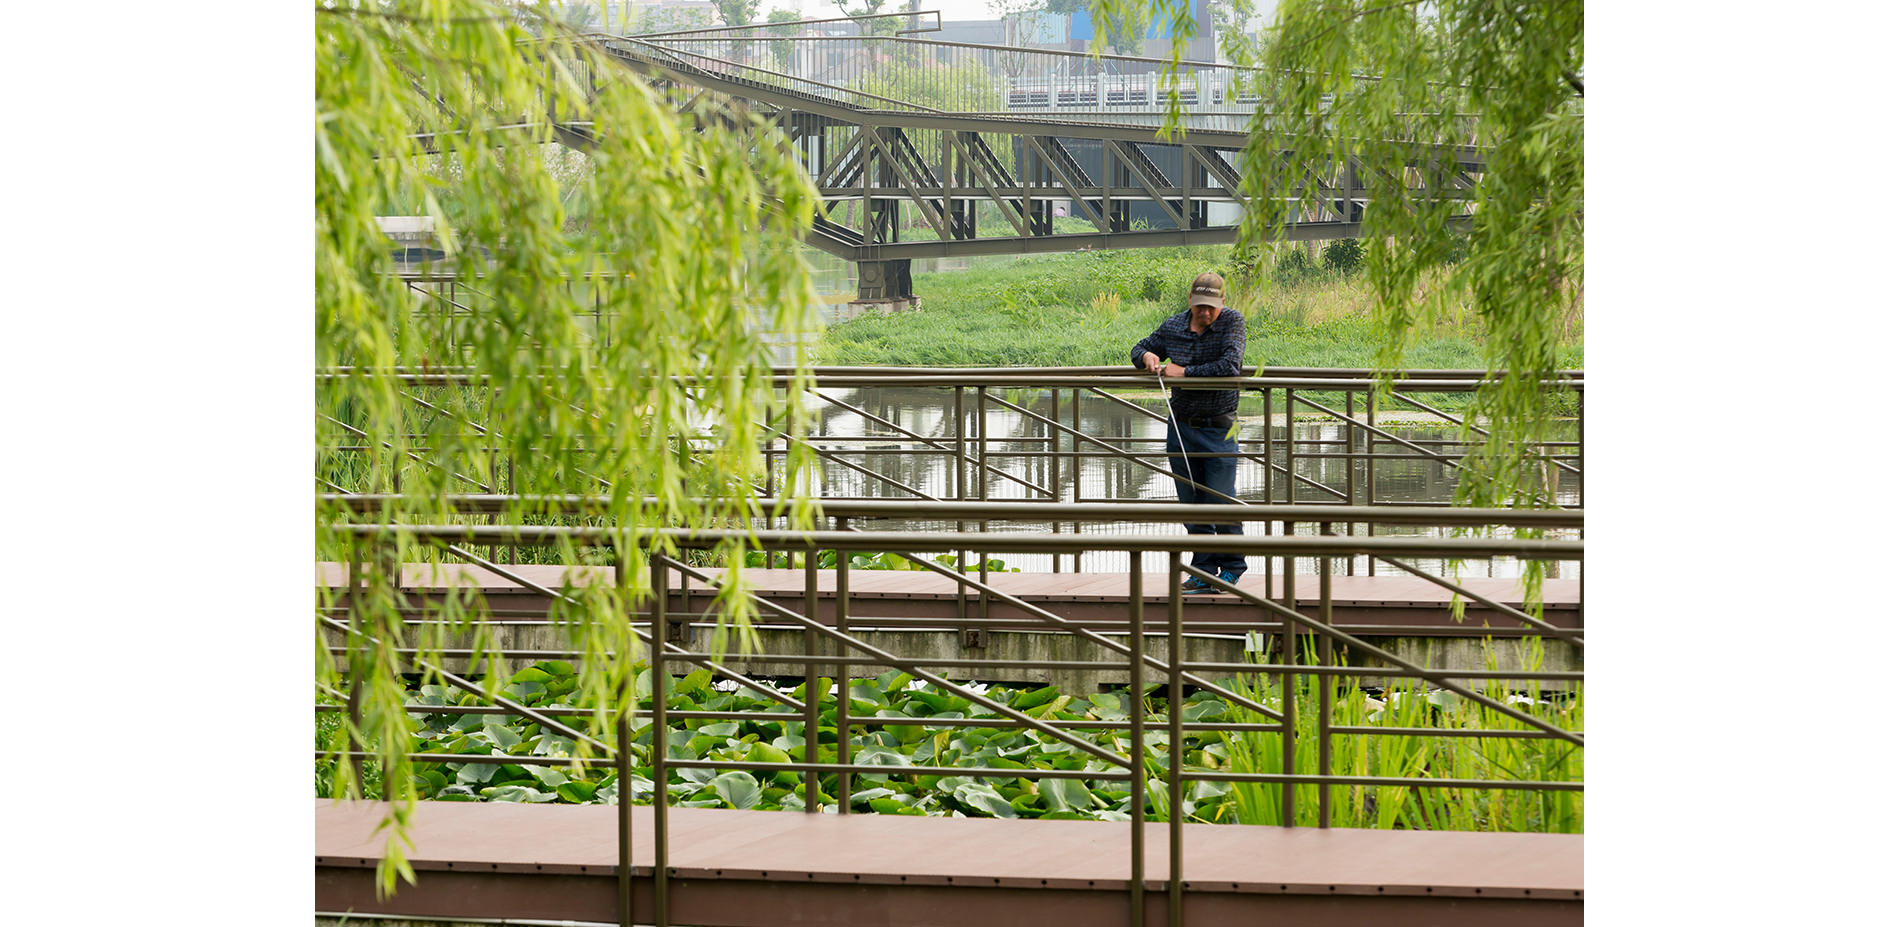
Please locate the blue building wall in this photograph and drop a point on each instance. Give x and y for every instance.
(1082, 28)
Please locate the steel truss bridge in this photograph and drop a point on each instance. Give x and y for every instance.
(974, 138)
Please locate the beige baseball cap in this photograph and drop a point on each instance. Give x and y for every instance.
(1208, 289)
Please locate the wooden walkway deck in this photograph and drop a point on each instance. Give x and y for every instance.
(1383, 605)
(742, 868)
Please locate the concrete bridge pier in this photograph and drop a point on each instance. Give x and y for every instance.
(885, 281)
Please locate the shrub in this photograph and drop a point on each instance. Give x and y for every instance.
(1243, 267)
(1294, 267)
(1343, 256)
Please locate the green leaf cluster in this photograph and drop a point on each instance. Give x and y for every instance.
(624, 273)
(1001, 761)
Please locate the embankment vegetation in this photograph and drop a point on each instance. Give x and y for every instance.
(1088, 308)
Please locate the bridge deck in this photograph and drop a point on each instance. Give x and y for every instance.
(557, 862)
(1367, 604)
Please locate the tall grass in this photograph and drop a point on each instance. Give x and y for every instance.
(1414, 756)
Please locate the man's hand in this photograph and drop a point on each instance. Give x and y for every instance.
(1151, 361)
(1173, 370)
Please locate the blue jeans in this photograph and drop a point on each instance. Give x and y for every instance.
(1215, 473)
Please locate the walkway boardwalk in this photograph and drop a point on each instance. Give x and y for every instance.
(558, 862)
(1371, 604)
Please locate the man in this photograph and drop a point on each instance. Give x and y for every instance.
(1205, 341)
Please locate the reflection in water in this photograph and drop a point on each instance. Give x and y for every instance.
(1018, 460)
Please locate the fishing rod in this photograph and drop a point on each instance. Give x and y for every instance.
(1180, 440)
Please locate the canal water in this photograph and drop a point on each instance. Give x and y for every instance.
(1020, 449)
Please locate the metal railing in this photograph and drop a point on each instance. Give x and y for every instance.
(952, 77)
(908, 74)
(833, 644)
(1086, 435)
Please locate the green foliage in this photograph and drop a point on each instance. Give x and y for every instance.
(781, 49)
(1415, 756)
(737, 12)
(1294, 266)
(690, 261)
(1243, 267)
(900, 735)
(1343, 256)
(1503, 76)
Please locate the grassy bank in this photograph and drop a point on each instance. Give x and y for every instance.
(1091, 307)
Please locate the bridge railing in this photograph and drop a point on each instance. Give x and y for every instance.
(1286, 728)
(953, 77)
(878, 72)
(1086, 435)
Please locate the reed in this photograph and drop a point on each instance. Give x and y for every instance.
(1420, 757)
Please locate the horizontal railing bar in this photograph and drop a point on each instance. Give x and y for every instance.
(1435, 732)
(1097, 724)
(953, 662)
(1227, 630)
(1279, 545)
(1419, 783)
(981, 772)
(1370, 730)
(1123, 370)
(445, 377)
(487, 758)
(1027, 510)
(886, 721)
(1546, 675)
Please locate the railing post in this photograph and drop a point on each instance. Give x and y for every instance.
(1054, 474)
(963, 599)
(1266, 489)
(624, 832)
(353, 600)
(623, 762)
(771, 439)
(812, 805)
(1288, 648)
(1324, 717)
(1289, 651)
(656, 667)
(1138, 765)
(983, 493)
(1352, 469)
(1372, 478)
(1075, 463)
(1289, 452)
(1175, 876)
(843, 703)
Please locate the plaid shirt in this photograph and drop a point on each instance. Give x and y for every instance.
(1212, 353)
